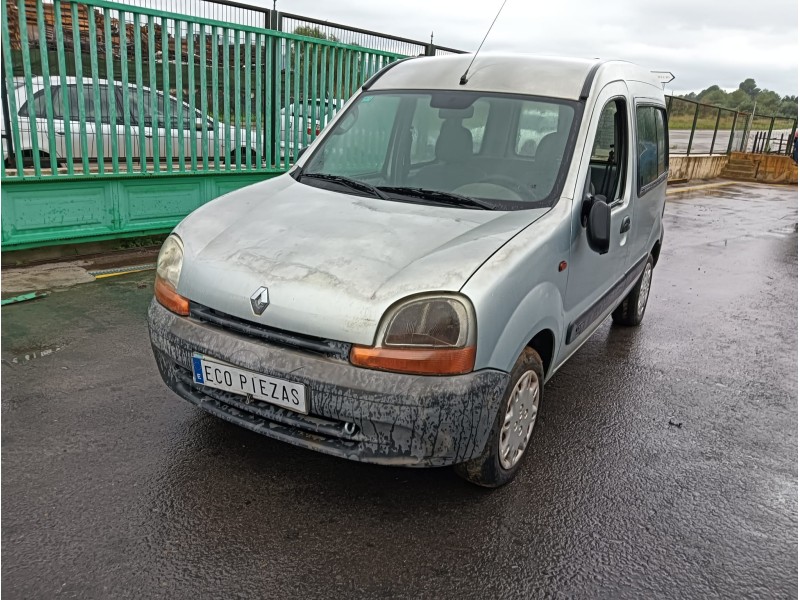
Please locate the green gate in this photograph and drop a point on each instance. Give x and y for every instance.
(119, 120)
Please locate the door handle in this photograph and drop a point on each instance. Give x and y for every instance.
(626, 225)
(60, 132)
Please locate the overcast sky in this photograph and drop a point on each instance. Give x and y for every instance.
(703, 42)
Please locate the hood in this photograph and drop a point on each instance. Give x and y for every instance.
(332, 262)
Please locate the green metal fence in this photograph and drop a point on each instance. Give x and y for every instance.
(97, 88)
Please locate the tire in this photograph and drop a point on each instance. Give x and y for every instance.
(630, 312)
(498, 463)
(27, 161)
(242, 154)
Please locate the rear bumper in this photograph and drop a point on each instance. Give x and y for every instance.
(399, 419)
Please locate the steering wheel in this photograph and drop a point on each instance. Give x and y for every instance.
(510, 184)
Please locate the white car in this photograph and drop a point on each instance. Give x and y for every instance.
(316, 116)
(148, 132)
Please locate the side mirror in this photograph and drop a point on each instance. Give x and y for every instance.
(598, 227)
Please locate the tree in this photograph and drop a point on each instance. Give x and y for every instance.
(740, 100)
(768, 102)
(315, 32)
(748, 86)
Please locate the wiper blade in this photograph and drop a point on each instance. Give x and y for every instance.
(351, 183)
(440, 197)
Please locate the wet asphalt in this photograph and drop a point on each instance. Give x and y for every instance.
(664, 464)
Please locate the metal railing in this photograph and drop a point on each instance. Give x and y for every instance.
(363, 37)
(99, 88)
(771, 135)
(698, 128)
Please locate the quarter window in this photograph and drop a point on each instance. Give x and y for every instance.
(651, 135)
(609, 158)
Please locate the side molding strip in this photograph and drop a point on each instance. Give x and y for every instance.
(591, 314)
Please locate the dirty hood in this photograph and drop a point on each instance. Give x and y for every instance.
(332, 262)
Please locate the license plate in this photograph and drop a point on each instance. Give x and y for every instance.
(222, 376)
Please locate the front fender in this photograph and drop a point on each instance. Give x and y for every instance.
(542, 309)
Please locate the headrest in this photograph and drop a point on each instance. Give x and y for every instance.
(454, 143)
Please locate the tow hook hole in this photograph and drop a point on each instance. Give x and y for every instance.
(350, 428)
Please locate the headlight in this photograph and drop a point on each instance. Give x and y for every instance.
(168, 273)
(436, 323)
(426, 336)
(170, 260)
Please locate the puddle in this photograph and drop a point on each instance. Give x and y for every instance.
(45, 277)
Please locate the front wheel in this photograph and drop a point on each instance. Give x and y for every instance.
(513, 427)
(630, 312)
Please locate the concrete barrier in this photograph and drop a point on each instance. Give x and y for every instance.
(688, 168)
(767, 168)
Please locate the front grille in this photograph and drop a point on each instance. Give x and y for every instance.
(277, 337)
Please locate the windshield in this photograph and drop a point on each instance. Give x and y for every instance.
(504, 151)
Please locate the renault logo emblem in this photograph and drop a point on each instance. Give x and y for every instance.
(260, 300)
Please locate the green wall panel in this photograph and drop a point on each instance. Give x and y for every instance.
(59, 211)
(156, 203)
(35, 211)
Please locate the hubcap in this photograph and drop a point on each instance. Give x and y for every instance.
(523, 406)
(644, 289)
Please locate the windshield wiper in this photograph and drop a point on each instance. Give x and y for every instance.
(354, 184)
(440, 197)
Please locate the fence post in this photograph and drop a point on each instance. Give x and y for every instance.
(694, 124)
(716, 126)
(769, 134)
(789, 142)
(756, 139)
(7, 124)
(733, 132)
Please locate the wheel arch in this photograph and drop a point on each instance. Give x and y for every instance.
(537, 323)
(655, 251)
(544, 342)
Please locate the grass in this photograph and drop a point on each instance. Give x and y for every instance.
(685, 122)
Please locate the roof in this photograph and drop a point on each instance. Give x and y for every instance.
(548, 76)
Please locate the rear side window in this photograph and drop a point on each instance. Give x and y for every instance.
(651, 136)
(40, 104)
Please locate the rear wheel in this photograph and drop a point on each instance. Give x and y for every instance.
(630, 312)
(242, 154)
(513, 427)
(27, 160)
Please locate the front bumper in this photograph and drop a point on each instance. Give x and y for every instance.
(399, 419)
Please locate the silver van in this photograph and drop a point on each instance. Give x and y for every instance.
(403, 293)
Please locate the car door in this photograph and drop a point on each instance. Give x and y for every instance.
(36, 109)
(595, 280)
(107, 132)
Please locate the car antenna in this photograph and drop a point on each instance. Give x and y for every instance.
(463, 80)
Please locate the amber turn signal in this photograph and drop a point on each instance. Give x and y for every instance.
(170, 299)
(416, 361)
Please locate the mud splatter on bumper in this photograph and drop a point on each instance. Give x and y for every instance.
(399, 419)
